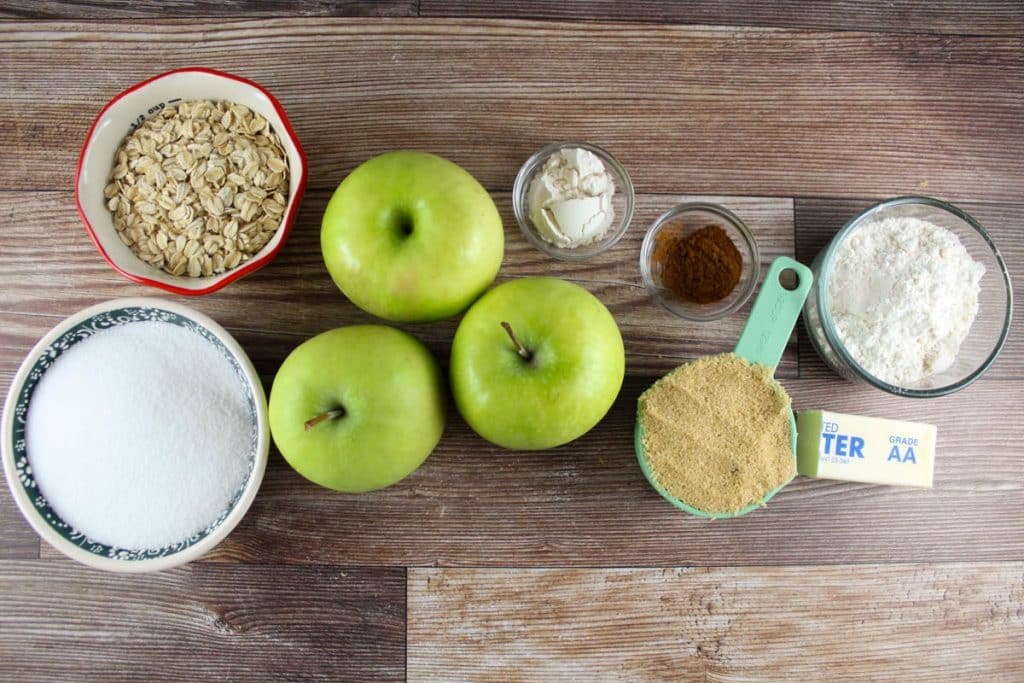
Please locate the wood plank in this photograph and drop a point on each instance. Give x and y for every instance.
(294, 296)
(17, 540)
(918, 622)
(273, 311)
(989, 17)
(818, 220)
(200, 622)
(710, 110)
(130, 9)
(588, 505)
(1005, 17)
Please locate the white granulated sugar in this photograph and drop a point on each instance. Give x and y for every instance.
(903, 295)
(139, 436)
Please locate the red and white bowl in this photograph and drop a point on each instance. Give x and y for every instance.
(141, 101)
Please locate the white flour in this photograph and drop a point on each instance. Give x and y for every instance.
(903, 294)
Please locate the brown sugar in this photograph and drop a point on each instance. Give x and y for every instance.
(702, 267)
(716, 433)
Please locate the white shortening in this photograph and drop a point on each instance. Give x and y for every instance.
(570, 200)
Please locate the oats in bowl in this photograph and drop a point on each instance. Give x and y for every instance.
(199, 188)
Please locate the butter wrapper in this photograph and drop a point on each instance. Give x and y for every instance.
(866, 449)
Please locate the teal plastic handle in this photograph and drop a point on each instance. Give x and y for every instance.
(775, 311)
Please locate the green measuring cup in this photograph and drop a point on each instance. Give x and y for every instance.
(762, 341)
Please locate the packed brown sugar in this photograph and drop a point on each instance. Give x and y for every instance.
(716, 433)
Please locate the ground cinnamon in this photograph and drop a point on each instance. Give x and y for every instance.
(703, 267)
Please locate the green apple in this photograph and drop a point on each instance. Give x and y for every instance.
(536, 363)
(412, 237)
(357, 408)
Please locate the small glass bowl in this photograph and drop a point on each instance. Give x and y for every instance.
(987, 334)
(684, 220)
(622, 202)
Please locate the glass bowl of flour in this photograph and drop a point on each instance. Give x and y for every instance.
(912, 296)
(135, 435)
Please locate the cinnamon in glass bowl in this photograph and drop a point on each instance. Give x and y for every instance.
(699, 262)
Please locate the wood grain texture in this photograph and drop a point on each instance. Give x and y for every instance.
(818, 220)
(131, 9)
(273, 311)
(17, 540)
(1004, 17)
(869, 622)
(990, 17)
(587, 504)
(850, 579)
(201, 622)
(691, 110)
(293, 298)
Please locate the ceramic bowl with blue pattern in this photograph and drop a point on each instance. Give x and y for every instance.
(17, 465)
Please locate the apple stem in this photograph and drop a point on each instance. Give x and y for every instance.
(527, 355)
(323, 417)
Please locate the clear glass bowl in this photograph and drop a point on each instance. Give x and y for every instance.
(987, 334)
(622, 202)
(685, 219)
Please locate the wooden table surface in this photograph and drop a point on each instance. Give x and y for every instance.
(493, 565)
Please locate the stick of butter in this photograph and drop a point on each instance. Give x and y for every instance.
(868, 449)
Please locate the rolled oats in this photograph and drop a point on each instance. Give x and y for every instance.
(199, 188)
